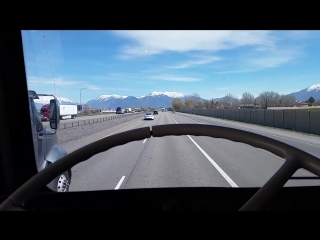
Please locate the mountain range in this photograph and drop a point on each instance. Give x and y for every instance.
(305, 94)
(154, 99)
(159, 99)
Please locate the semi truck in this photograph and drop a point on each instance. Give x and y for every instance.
(70, 111)
(128, 110)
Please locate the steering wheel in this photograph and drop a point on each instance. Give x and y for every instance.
(295, 159)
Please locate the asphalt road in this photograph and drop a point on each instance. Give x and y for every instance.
(184, 161)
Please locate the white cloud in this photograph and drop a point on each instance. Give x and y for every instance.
(273, 59)
(37, 81)
(156, 42)
(50, 81)
(199, 61)
(260, 59)
(175, 78)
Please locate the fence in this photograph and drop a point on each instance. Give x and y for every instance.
(297, 120)
(94, 120)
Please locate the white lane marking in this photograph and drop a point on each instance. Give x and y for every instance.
(261, 150)
(219, 169)
(119, 183)
(173, 119)
(144, 140)
(254, 131)
(226, 177)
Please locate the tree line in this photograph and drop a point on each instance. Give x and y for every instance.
(263, 100)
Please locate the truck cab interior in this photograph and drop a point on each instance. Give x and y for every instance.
(23, 188)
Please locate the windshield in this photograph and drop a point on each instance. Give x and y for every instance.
(266, 82)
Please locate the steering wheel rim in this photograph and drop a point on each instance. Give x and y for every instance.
(295, 159)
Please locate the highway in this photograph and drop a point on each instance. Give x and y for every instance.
(184, 161)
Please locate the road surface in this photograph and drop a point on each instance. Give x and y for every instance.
(179, 161)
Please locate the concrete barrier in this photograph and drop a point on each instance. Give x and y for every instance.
(268, 118)
(261, 117)
(289, 119)
(95, 120)
(298, 120)
(303, 121)
(315, 122)
(278, 118)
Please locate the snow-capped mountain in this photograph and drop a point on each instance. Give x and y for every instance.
(154, 99)
(305, 94)
(46, 100)
(108, 97)
(169, 94)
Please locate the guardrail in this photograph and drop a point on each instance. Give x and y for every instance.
(94, 120)
(298, 120)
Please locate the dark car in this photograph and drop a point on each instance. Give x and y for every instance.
(119, 110)
(155, 112)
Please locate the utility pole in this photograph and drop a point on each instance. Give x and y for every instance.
(54, 82)
(80, 94)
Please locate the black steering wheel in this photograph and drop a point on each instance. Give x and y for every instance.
(295, 159)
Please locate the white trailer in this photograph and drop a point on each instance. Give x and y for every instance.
(70, 111)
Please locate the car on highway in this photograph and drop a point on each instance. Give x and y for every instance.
(155, 112)
(148, 116)
(120, 110)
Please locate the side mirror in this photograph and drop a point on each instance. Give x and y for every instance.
(54, 114)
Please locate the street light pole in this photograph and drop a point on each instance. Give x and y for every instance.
(80, 96)
(54, 82)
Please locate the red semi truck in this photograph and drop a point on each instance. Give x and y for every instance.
(65, 111)
(45, 112)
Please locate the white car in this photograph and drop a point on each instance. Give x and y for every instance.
(149, 116)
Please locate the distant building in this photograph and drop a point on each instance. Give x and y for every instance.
(247, 106)
(301, 104)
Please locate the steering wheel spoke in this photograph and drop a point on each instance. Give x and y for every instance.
(263, 196)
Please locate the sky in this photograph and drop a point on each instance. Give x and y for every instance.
(136, 63)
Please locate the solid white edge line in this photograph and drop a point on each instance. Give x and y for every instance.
(219, 169)
(252, 130)
(119, 183)
(144, 140)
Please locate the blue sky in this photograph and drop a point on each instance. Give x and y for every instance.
(135, 63)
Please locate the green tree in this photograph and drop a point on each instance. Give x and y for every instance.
(177, 104)
(311, 100)
(189, 103)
